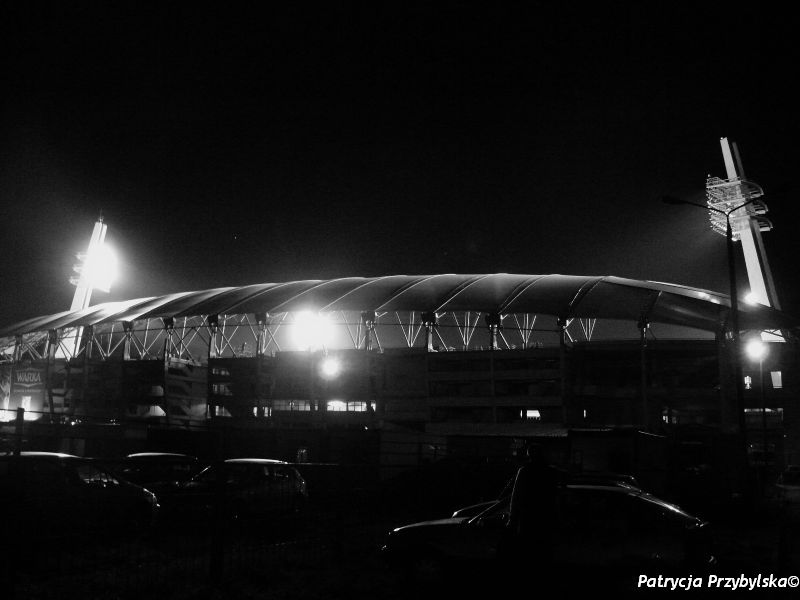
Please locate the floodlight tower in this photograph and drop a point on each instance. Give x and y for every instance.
(86, 280)
(96, 270)
(747, 223)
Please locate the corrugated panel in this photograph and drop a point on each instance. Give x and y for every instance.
(268, 300)
(550, 295)
(226, 302)
(187, 305)
(372, 293)
(489, 293)
(151, 308)
(559, 295)
(429, 293)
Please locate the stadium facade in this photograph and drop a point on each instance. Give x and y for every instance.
(436, 359)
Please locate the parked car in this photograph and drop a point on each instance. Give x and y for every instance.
(54, 494)
(246, 487)
(156, 471)
(613, 528)
(588, 477)
(473, 510)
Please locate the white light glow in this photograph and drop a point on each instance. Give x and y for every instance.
(100, 268)
(337, 406)
(311, 330)
(756, 349)
(330, 367)
(751, 298)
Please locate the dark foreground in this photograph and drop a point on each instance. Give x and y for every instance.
(333, 552)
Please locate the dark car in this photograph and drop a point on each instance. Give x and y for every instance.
(243, 487)
(52, 494)
(584, 477)
(156, 471)
(611, 528)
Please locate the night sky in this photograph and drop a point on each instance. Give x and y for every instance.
(244, 143)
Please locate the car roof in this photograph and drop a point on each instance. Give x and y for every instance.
(634, 492)
(259, 461)
(607, 487)
(53, 455)
(160, 455)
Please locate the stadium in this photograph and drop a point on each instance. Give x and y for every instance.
(438, 363)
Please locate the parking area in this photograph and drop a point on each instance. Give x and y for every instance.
(328, 550)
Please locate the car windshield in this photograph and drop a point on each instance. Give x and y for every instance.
(666, 505)
(498, 508)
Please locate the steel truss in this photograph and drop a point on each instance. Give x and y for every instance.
(197, 338)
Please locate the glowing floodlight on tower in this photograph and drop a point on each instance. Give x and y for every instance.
(311, 330)
(100, 268)
(737, 200)
(96, 270)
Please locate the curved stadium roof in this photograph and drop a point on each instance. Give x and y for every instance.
(604, 297)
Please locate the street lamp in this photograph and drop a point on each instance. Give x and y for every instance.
(737, 366)
(757, 350)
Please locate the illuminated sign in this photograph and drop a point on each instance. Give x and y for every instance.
(30, 379)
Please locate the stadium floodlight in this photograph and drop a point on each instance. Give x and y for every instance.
(756, 349)
(100, 268)
(96, 270)
(751, 298)
(330, 367)
(311, 330)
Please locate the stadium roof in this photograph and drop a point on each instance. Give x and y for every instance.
(604, 297)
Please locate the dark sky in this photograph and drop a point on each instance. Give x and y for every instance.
(242, 143)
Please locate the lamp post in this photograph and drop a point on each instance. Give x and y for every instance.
(734, 320)
(757, 350)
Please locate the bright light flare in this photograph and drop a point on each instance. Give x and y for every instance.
(100, 268)
(331, 367)
(751, 298)
(756, 349)
(311, 330)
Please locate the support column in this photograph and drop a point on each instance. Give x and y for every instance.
(49, 361)
(729, 422)
(17, 348)
(429, 320)
(213, 325)
(643, 326)
(561, 322)
(493, 323)
(261, 318)
(263, 321)
(169, 327)
(127, 327)
(88, 335)
(368, 320)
